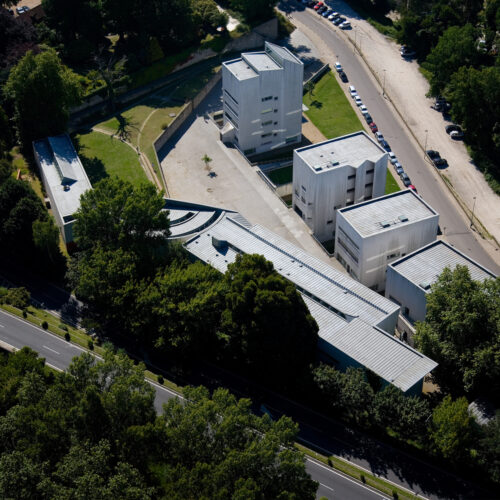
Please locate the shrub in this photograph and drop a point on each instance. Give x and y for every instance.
(18, 297)
(67, 336)
(25, 314)
(63, 327)
(164, 126)
(45, 325)
(330, 463)
(160, 379)
(363, 478)
(3, 292)
(395, 495)
(90, 344)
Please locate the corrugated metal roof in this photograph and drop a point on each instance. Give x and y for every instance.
(345, 310)
(387, 212)
(352, 149)
(427, 263)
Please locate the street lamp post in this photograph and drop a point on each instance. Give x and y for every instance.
(472, 214)
(383, 85)
(425, 146)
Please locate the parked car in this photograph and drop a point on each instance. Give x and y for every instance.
(406, 52)
(318, 5)
(397, 166)
(385, 145)
(339, 20)
(333, 15)
(327, 12)
(322, 9)
(343, 76)
(22, 10)
(379, 136)
(399, 170)
(363, 109)
(345, 25)
(432, 154)
(393, 158)
(406, 180)
(352, 91)
(453, 128)
(373, 127)
(455, 134)
(358, 101)
(312, 3)
(338, 67)
(411, 186)
(368, 118)
(440, 162)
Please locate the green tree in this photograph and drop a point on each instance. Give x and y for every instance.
(460, 332)
(457, 47)
(42, 91)
(5, 170)
(489, 448)
(254, 10)
(217, 448)
(115, 214)
(46, 237)
(18, 297)
(452, 430)
(266, 326)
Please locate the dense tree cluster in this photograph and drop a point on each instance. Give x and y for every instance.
(458, 44)
(93, 433)
(462, 333)
(133, 283)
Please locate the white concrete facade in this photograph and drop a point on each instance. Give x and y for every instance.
(64, 179)
(371, 235)
(335, 174)
(262, 100)
(410, 278)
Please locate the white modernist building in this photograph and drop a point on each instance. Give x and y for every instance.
(371, 235)
(410, 278)
(335, 174)
(262, 96)
(64, 179)
(356, 325)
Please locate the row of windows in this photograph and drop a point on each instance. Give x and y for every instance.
(232, 109)
(269, 98)
(267, 123)
(346, 236)
(230, 96)
(344, 246)
(370, 171)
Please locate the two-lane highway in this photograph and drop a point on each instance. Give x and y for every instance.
(332, 43)
(58, 353)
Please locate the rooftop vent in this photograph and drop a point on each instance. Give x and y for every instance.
(425, 285)
(385, 223)
(335, 163)
(318, 168)
(403, 218)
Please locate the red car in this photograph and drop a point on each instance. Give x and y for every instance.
(411, 186)
(373, 127)
(318, 5)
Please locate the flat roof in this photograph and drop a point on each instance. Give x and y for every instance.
(352, 149)
(63, 172)
(281, 52)
(387, 212)
(261, 61)
(240, 69)
(423, 266)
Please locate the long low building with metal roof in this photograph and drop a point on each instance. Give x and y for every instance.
(355, 323)
(410, 278)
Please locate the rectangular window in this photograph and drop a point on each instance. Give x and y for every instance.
(235, 113)
(346, 236)
(329, 222)
(264, 111)
(303, 188)
(227, 93)
(393, 255)
(276, 98)
(275, 110)
(267, 123)
(353, 176)
(297, 192)
(369, 171)
(266, 135)
(268, 98)
(276, 123)
(369, 184)
(291, 139)
(302, 199)
(351, 254)
(350, 190)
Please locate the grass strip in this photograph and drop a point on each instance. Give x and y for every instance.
(330, 110)
(358, 474)
(391, 186)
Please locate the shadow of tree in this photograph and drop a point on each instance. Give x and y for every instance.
(124, 127)
(317, 104)
(94, 167)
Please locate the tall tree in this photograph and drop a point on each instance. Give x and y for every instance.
(461, 333)
(42, 91)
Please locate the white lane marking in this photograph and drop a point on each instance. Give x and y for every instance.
(50, 349)
(327, 487)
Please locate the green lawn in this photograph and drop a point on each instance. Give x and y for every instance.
(281, 175)
(104, 156)
(391, 186)
(330, 110)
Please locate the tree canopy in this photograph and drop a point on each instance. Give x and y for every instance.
(461, 332)
(42, 91)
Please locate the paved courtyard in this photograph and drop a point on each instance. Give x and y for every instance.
(227, 181)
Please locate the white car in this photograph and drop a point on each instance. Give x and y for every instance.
(333, 16)
(358, 101)
(352, 91)
(345, 25)
(338, 67)
(363, 109)
(393, 158)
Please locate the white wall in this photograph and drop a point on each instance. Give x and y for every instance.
(374, 250)
(410, 296)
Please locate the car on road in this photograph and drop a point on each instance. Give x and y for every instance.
(343, 76)
(406, 180)
(453, 128)
(358, 100)
(399, 169)
(397, 166)
(345, 25)
(318, 5)
(379, 136)
(436, 159)
(393, 158)
(440, 162)
(432, 154)
(333, 15)
(327, 12)
(411, 186)
(373, 127)
(339, 20)
(455, 134)
(338, 67)
(322, 9)
(368, 118)
(385, 145)
(363, 109)
(406, 52)
(352, 90)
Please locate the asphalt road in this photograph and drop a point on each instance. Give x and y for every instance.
(58, 354)
(430, 187)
